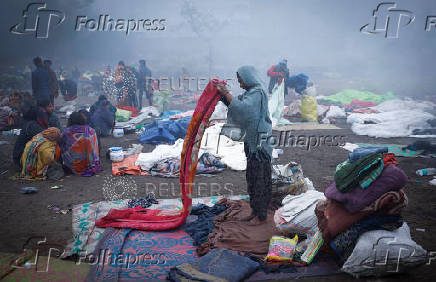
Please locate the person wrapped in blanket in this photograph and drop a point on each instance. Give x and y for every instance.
(10, 108)
(125, 82)
(39, 153)
(80, 151)
(249, 112)
(103, 118)
(101, 99)
(46, 117)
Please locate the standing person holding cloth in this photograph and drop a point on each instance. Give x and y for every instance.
(249, 111)
(278, 73)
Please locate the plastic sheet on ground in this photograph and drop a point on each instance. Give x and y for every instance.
(407, 104)
(146, 113)
(167, 114)
(161, 99)
(231, 152)
(164, 131)
(348, 95)
(182, 115)
(397, 149)
(276, 104)
(335, 112)
(147, 160)
(389, 124)
(122, 115)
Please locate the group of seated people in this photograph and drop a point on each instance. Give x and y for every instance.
(41, 142)
(10, 109)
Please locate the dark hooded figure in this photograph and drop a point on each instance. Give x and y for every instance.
(249, 112)
(101, 98)
(103, 119)
(40, 80)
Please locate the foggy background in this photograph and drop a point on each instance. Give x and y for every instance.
(320, 38)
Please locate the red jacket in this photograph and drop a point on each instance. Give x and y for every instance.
(279, 75)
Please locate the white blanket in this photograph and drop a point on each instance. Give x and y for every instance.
(231, 152)
(397, 118)
(295, 205)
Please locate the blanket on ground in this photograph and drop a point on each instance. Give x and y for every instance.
(86, 235)
(217, 265)
(233, 234)
(126, 254)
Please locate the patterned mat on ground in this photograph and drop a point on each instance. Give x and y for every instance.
(86, 235)
(143, 255)
(305, 126)
(152, 254)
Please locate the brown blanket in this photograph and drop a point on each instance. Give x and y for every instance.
(232, 234)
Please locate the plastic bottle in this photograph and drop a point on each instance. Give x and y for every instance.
(29, 190)
(426, 171)
(116, 155)
(118, 132)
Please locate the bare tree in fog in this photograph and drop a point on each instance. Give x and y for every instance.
(204, 24)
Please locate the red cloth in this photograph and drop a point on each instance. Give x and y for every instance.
(272, 73)
(159, 220)
(364, 111)
(389, 158)
(135, 218)
(127, 166)
(355, 104)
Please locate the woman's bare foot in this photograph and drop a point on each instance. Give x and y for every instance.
(247, 218)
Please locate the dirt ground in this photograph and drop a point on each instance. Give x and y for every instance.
(27, 216)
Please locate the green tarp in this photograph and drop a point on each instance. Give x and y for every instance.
(122, 115)
(348, 95)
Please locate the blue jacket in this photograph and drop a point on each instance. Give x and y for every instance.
(250, 112)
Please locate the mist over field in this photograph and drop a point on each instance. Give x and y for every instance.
(320, 38)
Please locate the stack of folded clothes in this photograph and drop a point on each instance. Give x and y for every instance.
(367, 194)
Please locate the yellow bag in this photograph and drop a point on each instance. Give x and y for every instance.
(309, 108)
(281, 248)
